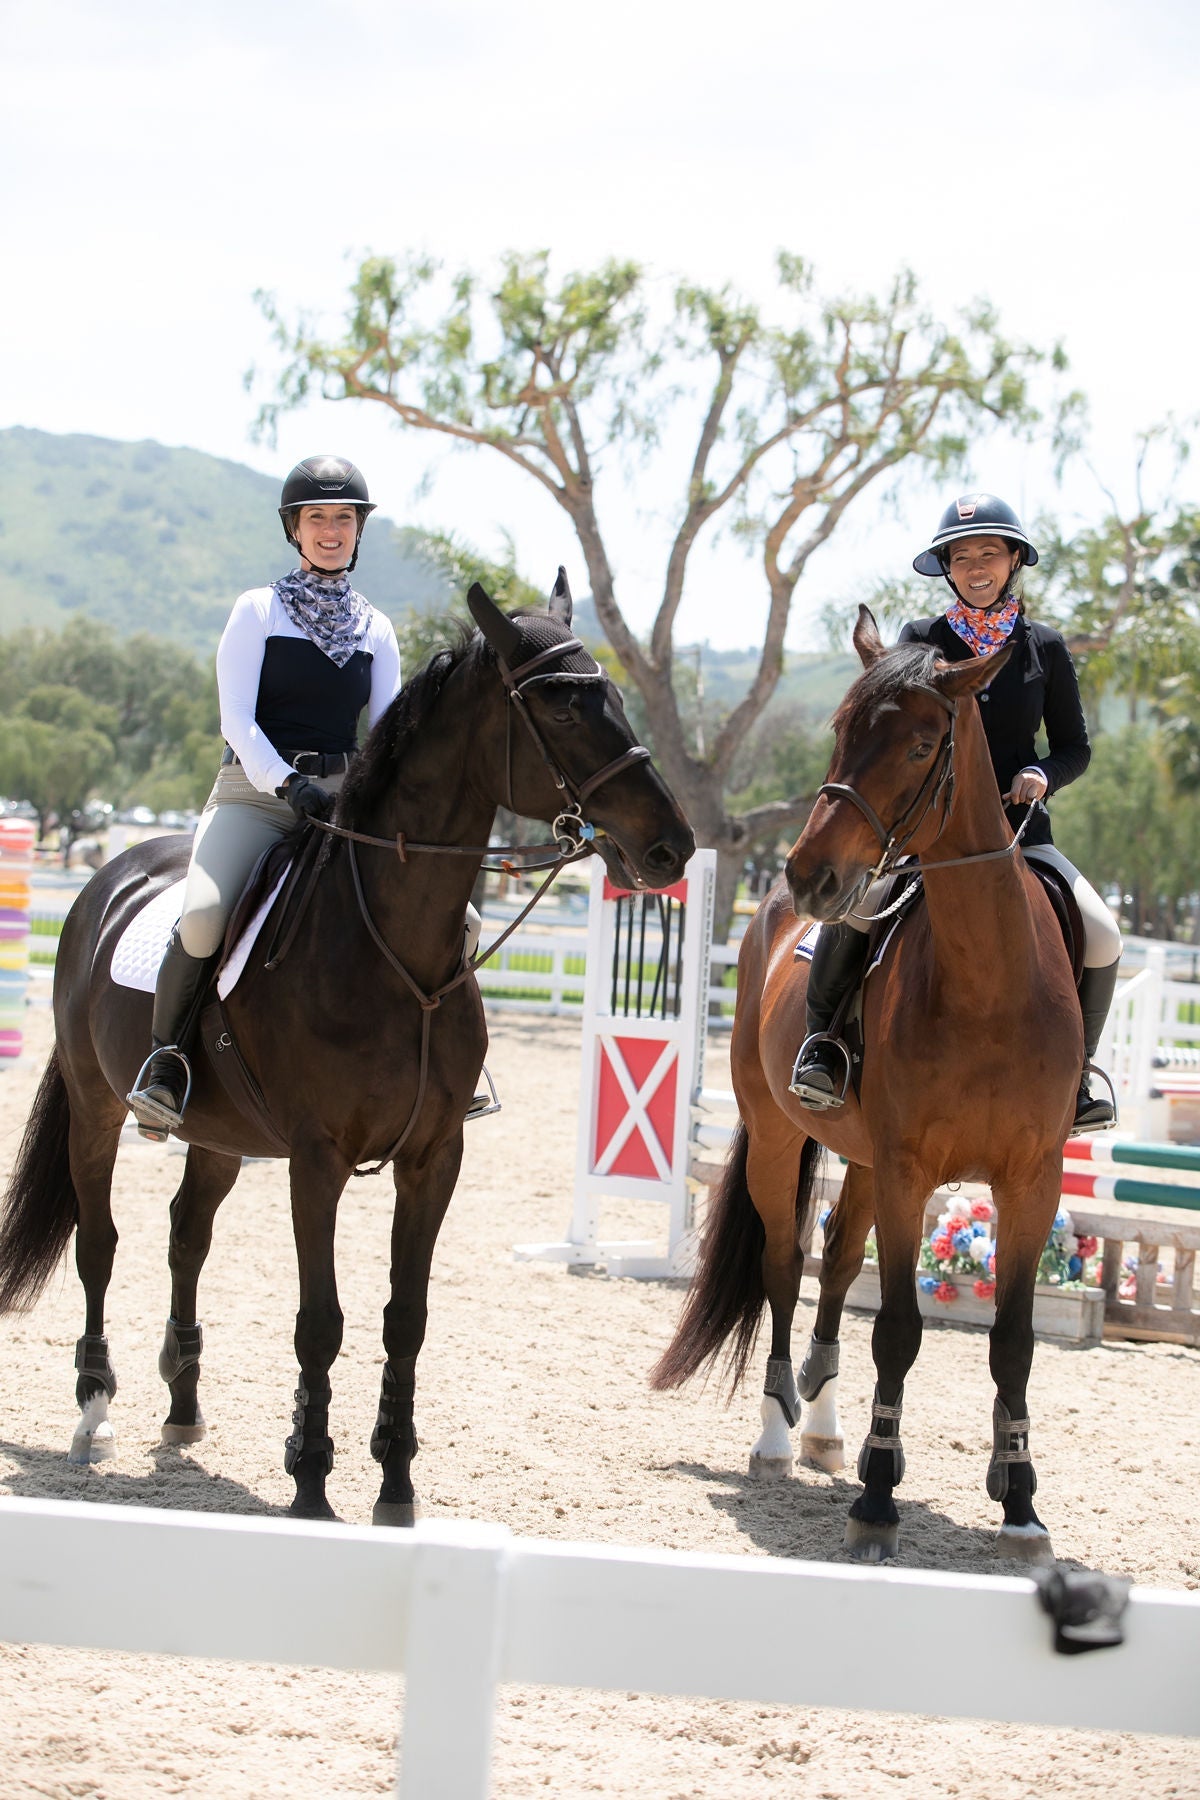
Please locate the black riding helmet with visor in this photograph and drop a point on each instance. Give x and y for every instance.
(325, 481)
(974, 515)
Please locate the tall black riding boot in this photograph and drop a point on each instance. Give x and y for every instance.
(161, 1090)
(820, 1076)
(1096, 989)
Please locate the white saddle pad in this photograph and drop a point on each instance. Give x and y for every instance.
(143, 943)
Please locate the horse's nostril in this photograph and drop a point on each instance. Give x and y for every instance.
(663, 859)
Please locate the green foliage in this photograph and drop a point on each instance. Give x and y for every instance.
(83, 713)
(1128, 828)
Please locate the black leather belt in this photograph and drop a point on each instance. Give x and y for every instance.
(305, 762)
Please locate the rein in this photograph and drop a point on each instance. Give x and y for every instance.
(574, 837)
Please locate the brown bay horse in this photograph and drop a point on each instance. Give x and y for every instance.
(517, 714)
(973, 1047)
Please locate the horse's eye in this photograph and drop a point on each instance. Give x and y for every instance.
(919, 752)
(564, 716)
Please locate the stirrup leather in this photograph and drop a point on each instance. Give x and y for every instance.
(814, 1098)
(155, 1120)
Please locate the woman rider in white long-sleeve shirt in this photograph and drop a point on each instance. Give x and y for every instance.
(296, 665)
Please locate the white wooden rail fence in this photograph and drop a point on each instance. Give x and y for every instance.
(458, 1608)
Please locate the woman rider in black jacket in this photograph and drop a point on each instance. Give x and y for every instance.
(979, 547)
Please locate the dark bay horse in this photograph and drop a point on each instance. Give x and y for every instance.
(518, 713)
(973, 1046)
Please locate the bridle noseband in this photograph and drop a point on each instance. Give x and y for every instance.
(937, 785)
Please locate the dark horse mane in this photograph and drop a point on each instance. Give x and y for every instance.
(882, 684)
(373, 771)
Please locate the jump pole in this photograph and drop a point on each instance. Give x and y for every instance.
(645, 1015)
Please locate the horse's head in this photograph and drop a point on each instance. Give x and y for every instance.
(570, 754)
(890, 784)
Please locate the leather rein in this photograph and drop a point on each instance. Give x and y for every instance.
(937, 785)
(574, 838)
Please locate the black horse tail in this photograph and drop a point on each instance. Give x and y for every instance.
(41, 1207)
(727, 1294)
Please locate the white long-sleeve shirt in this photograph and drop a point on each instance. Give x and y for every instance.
(258, 616)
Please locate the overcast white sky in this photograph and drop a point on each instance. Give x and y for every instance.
(160, 163)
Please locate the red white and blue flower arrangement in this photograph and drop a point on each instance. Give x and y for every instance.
(960, 1251)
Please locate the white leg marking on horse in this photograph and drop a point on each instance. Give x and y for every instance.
(1025, 1543)
(771, 1457)
(94, 1439)
(821, 1438)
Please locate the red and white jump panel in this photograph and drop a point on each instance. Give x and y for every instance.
(644, 1022)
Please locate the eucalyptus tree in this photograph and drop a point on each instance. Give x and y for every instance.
(788, 421)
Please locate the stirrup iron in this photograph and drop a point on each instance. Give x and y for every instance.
(815, 1101)
(154, 1120)
(1089, 1069)
(486, 1101)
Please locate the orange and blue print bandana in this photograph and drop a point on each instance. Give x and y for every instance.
(983, 631)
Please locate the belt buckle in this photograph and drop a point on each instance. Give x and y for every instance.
(308, 762)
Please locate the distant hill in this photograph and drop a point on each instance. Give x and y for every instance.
(150, 538)
(160, 540)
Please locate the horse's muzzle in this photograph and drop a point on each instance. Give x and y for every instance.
(822, 892)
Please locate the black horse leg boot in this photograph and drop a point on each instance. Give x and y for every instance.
(1096, 989)
(821, 1074)
(164, 1081)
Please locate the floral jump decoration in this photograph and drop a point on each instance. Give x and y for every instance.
(960, 1252)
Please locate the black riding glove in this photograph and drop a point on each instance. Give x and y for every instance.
(307, 799)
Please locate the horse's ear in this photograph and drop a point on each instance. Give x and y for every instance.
(867, 641)
(960, 680)
(561, 604)
(496, 627)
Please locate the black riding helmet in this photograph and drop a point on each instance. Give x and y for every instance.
(974, 515)
(325, 481)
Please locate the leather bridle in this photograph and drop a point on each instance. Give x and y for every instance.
(570, 822)
(573, 834)
(937, 785)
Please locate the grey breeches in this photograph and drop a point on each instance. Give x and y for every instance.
(238, 823)
(1103, 939)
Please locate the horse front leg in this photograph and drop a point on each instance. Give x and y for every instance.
(422, 1195)
(92, 1150)
(318, 1175)
(775, 1177)
(821, 1440)
(873, 1528)
(1026, 1215)
(208, 1176)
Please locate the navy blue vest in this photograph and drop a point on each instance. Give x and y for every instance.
(305, 702)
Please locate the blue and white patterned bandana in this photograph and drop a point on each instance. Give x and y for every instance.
(329, 612)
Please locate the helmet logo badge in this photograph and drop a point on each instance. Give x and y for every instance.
(966, 507)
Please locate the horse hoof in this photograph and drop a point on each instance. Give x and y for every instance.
(311, 1506)
(98, 1445)
(1024, 1543)
(871, 1543)
(828, 1453)
(401, 1513)
(769, 1468)
(183, 1434)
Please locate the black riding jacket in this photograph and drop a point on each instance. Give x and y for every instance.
(1037, 686)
